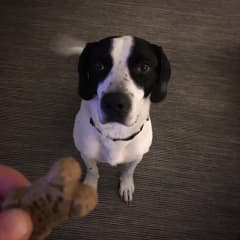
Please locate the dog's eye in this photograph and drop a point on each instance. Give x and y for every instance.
(99, 67)
(142, 68)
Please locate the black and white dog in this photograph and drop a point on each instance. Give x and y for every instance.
(119, 77)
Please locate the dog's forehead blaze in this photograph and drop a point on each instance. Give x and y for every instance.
(121, 49)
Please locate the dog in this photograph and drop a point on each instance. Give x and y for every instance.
(119, 78)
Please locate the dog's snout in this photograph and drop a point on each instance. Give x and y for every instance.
(115, 103)
(116, 106)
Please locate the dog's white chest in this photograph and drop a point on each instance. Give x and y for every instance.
(94, 145)
(112, 152)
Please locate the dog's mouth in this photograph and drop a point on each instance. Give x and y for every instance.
(126, 121)
(114, 119)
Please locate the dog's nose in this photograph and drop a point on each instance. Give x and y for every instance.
(116, 106)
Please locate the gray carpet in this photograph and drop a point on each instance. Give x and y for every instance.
(188, 185)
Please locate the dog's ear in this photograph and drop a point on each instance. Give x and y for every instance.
(86, 88)
(159, 90)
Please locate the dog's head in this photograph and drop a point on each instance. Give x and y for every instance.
(123, 75)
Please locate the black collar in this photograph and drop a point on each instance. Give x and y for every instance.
(119, 139)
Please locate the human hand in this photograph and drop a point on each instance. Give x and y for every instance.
(15, 224)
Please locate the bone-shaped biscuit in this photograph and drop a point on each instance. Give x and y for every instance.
(54, 198)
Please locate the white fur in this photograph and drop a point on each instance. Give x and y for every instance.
(101, 148)
(96, 147)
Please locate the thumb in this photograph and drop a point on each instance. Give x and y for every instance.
(15, 224)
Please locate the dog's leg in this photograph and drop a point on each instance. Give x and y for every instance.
(92, 174)
(126, 181)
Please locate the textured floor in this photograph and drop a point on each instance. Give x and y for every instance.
(188, 186)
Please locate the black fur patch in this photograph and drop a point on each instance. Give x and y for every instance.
(154, 81)
(89, 77)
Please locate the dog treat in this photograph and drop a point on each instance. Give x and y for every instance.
(54, 198)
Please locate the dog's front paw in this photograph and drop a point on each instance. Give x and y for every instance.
(127, 188)
(91, 179)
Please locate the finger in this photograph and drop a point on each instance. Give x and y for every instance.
(10, 178)
(15, 224)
